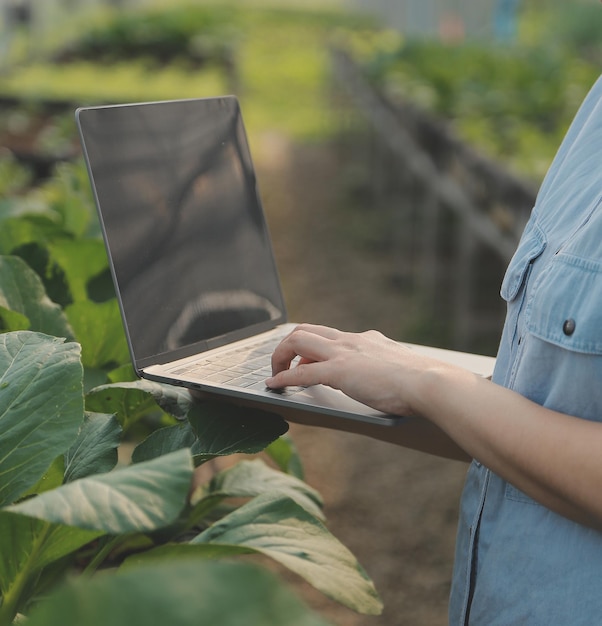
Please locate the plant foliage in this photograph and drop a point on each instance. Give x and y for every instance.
(193, 36)
(147, 530)
(190, 592)
(516, 104)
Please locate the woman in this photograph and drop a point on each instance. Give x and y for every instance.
(529, 547)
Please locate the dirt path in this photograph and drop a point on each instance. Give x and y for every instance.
(394, 508)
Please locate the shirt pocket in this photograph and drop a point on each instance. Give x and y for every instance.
(566, 312)
(567, 305)
(531, 246)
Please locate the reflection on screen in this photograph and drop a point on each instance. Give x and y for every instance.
(177, 195)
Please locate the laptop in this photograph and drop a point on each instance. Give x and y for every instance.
(190, 254)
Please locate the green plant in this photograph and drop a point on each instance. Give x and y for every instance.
(14, 178)
(193, 36)
(277, 62)
(97, 471)
(514, 104)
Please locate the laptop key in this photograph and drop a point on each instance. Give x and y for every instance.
(243, 382)
(218, 377)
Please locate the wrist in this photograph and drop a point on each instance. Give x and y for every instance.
(439, 390)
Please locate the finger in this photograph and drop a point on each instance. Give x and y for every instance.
(316, 329)
(322, 331)
(301, 342)
(303, 375)
(283, 354)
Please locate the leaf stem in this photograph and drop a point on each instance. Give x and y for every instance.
(201, 508)
(12, 598)
(100, 556)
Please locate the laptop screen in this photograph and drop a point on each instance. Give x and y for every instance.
(188, 245)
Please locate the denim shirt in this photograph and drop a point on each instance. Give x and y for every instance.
(517, 562)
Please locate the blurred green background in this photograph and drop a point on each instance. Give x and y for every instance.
(503, 78)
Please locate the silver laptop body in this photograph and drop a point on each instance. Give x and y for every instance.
(189, 250)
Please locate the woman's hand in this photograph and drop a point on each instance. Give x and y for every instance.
(368, 367)
(554, 458)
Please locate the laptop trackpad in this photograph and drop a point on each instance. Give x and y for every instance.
(328, 398)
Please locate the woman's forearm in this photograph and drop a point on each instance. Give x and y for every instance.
(554, 458)
(413, 432)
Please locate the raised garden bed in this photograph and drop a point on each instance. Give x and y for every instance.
(38, 134)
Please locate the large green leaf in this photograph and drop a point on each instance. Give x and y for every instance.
(22, 291)
(80, 260)
(224, 429)
(248, 479)
(164, 441)
(68, 192)
(132, 400)
(139, 498)
(179, 594)
(20, 231)
(284, 453)
(53, 478)
(98, 327)
(41, 407)
(18, 207)
(95, 449)
(11, 320)
(123, 373)
(214, 429)
(278, 527)
(27, 545)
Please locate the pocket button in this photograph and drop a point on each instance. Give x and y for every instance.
(568, 328)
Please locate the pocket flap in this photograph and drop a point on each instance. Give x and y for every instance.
(532, 244)
(566, 309)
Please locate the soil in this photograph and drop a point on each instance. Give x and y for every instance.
(396, 509)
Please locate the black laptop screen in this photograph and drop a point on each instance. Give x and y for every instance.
(183, 224)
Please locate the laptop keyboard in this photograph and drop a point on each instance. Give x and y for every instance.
(246, 366)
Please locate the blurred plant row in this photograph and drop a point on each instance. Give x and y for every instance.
(275, 60)
(514, 103)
